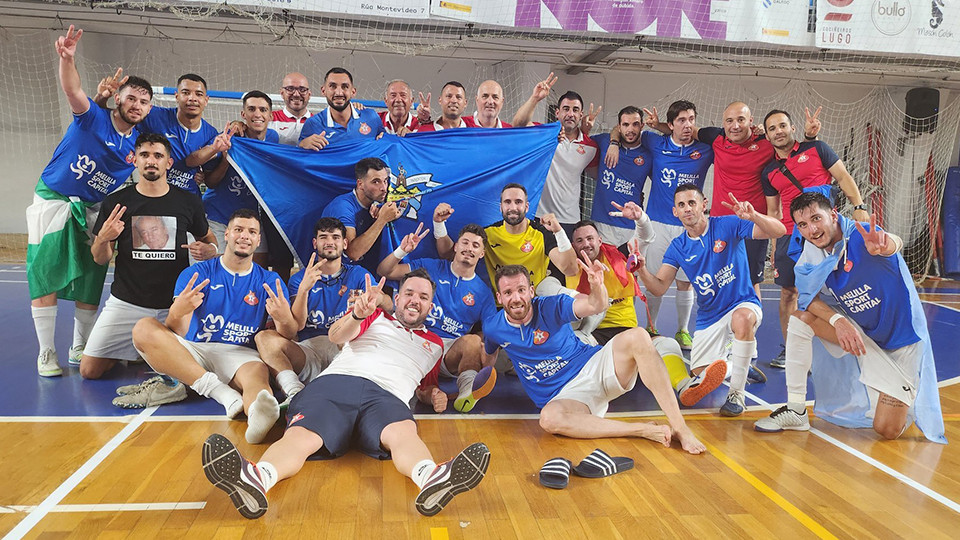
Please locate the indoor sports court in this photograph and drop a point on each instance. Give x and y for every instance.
(79, 467)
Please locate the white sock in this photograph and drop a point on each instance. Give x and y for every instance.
(261, 416)
(741, 354)
(421, 471)
(210, 386)
(289, 382)
(83, 321)
(798, 360)
(268, 474)
(653, 306)
(45, 322)
(465, 382)
(684, 308)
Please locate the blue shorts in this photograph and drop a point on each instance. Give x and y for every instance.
(756, 258)
(346, 412)
(784, 264)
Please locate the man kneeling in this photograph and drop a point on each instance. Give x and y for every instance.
(360, 401)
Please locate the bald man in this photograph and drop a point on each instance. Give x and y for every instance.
(295, 91)
(489, 103)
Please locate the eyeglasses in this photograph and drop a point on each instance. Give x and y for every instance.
(296, 89)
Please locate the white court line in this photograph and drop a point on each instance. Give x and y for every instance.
(129, 507)
(69, 484)
(876, 464)
(938, 304)
(948, 382)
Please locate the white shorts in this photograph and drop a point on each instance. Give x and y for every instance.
(220, 228)
(654, 254)
(709, 344)
(444, 370)
(596, 385)
(112, 334)
(895, 372)
(319, 352)
(615, 236)
(221, 359)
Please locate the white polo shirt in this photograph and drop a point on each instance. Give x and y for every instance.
(561, 193)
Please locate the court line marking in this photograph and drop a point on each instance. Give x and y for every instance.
(938, 304)
(811, 524)
(128, 507)
(948, 382)
(910, 482)
(74, 480)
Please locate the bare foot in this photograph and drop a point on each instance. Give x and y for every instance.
(655, 433)
(688, 441)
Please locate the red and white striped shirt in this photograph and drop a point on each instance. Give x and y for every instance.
(411, 124)
(288, 126)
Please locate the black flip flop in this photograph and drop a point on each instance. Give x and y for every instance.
(599, 465)
(555, 473)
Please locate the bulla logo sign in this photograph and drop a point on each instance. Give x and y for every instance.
(890, 17)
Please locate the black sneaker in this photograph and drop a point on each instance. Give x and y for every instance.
(229, 471)
(780, 362)
(462, 473)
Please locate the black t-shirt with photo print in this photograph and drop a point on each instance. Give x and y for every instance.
(149, 256)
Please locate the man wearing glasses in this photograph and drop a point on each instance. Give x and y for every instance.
(295, 91)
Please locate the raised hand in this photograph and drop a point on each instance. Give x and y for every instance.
(542, 88)
(367, 302)
(586, 124)
(277, 305)
(412, 240)
(650, 118)
(316, 141)
(109, 86)
(66, 46)
(550, 222)
(593, 269)
(221, 143)
(630, 210)
(743, 209)
(113, 225)
(189, 298)
(442, 212)
(874, 239)
(390, 211)
(811, 126)
(423, 110)
(311, 274)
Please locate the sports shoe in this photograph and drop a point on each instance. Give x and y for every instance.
(76, 353)
(228, 470)
(462, 473)
(755, 376)
(684, 339)
(695, 388)
(652, 331)
(134, 388)
(152, 392)
(783, 418)
(285, 404)
(734, 405)
(482, 386)
(47, 365)
(780, 362)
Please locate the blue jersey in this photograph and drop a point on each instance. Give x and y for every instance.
(545, 351)
(620, 184)
(716, 264)
(870, 289)
(365, 123)
(232, 193)
(351, 213)
(330, 298)
(163, 120)
(234, 305)
(92, 159)
(673, 165)
(458, 303)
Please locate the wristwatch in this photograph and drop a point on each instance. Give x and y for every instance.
(860, 207)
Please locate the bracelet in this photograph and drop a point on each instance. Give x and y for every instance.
(563, 243)
(439, 229)
(615, 143)
(354, 315)
(809, 138)
(399, 253)
(833, 320)
(860, 206)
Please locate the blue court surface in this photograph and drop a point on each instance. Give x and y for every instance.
(27, 394)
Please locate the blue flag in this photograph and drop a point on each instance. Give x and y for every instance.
(465, 168)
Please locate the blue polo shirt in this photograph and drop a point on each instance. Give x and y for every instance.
(365, 123)
(232, 193)
(673, 165)
(183, 142)
(620, 184)
(330, 298)
(458, 303)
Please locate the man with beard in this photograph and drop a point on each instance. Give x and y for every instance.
(93, 158)
(397, 118)
(144, 278)
(571, 381)
(288, 123)
(360, 402)
(339, 120)
(356, 210)
(453, 101)
(207, 337)
(462, 300)
(489, 103)
(711, 251)
(323, 291)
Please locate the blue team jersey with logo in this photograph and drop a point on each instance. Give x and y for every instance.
(234, 305)
(673, 165)
(458, 303)
(871, 291)
(91, 160)
(365, 123)
(183, 142)
(716, 264)
(620, 184)
(351, 213)
(330, 298)
(545, 351)
(232, 193)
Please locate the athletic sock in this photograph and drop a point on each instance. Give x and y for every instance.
(684, 308)
(45, 322)
(741, 354)
(289, 382)
(421, 471)
(210, 386)
(799, 358)
(261, 416)
(676, 369)
(83, 321)
(465, 382)
(268, 475)
(653, 307)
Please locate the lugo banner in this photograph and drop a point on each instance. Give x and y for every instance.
(895, 26)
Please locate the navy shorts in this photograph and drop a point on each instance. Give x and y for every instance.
(784, 264)
(756, 257)
(346, 412)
